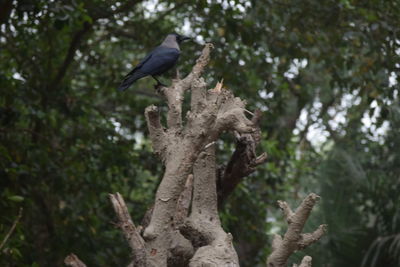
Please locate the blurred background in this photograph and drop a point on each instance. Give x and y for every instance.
(324, 72)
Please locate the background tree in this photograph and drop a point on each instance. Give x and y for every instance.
(325, 73)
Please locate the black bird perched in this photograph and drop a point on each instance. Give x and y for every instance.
(160, 60)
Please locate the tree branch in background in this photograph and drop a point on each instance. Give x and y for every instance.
(69, 57)
(118, 32)
(148, 94)
(103, 10)
(131, 234)
(96, 13)
(11, 229)
(306, 262)
(165, 13)
(73, 261)
(293, 239)
(5, 10)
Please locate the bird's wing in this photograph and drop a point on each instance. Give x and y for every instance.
(134, 74)
(138, 66)
(157, 62)
(163, 58)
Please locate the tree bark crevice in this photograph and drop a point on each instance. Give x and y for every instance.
(203, 224)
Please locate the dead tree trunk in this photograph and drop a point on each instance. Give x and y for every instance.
(184, 149)
(172, 236)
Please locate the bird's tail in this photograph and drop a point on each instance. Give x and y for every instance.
(130, 79)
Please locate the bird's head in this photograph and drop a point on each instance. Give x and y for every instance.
(180, 38)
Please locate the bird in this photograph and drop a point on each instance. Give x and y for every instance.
(157, 62)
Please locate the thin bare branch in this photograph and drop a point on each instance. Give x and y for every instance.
(209, 144)
(73, 261)
(260, 159)
(69, 57)
(287, 211)
(309, 238)
(11, 229)
(131, 234)
(306, 262)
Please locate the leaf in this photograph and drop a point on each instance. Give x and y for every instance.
(16, 198)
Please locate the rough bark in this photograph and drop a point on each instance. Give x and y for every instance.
(130, 231)
(293, 239)
(203, 227)
(73, 261)
(5, 10)
(183, 205)
(212, 112)
(243, 161)
(306, 262)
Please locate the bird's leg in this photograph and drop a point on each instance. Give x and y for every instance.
(178, 74)
(159, 84)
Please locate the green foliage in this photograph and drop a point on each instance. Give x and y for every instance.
(68, 138)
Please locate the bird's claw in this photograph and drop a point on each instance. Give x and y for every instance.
(159, 87)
